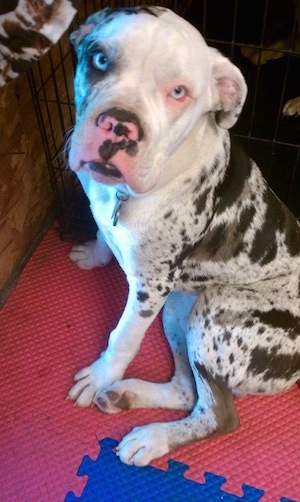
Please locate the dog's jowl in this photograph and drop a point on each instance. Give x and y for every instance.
(191, 221)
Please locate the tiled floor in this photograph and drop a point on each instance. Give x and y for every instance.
(57, 321)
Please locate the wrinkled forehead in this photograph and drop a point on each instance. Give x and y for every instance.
(109, 21)
(153, 32)
(120, 26)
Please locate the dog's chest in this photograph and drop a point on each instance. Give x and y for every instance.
(149, 230)
(180, 234)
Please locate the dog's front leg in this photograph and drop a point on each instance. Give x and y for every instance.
(91, 254)
(141, 308)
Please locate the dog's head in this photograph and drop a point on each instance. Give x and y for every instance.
(145, 79)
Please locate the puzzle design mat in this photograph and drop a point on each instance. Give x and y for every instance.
(57, 321)
(111, 480)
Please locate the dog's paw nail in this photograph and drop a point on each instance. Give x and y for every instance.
(101, 403)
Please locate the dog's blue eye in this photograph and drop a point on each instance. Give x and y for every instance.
(178, 92)
(100, 61)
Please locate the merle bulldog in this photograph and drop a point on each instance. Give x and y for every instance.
(192, 223)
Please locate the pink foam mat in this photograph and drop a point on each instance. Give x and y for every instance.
(57, 321)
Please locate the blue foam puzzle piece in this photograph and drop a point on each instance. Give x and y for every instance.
(112, 481)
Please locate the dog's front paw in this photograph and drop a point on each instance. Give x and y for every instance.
(292, 107)
(92, 379)
(89, 255)
(143, 444)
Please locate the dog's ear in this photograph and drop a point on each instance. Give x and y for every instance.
(231, 90)
(77, 36)
(97, 18)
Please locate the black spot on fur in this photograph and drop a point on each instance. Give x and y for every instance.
(274, 349)
(292, 233)
(146, 313)
(224, 410)
(280, 319)
(197, 187)
(142, 296)
(238, 170)
(246, 217)
(165, 291)
(227, 336)
(168, 214)
(226, 378)
(273, 365)
(201, 370)
(277, 218)
(215, 239)
(171, 275)
(200, 201)
(206, 323)
(264, 246)
(216, 380)
(261, 330)
(185, 277)
(200, 278)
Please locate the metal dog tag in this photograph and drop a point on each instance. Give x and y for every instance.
(121, 197)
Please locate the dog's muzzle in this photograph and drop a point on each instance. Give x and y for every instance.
(118, 129)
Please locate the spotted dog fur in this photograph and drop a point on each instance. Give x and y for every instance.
(28, 28)
(199, 231)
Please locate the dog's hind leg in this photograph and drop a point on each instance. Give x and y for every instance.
(180, 392)
(213, 414)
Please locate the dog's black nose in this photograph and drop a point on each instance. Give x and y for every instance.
(118, 122)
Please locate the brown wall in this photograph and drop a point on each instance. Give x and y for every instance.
(26, 199)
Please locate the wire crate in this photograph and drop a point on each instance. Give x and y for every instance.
(231, 26)
(269, 137)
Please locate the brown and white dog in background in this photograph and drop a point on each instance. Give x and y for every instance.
(281, 34)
